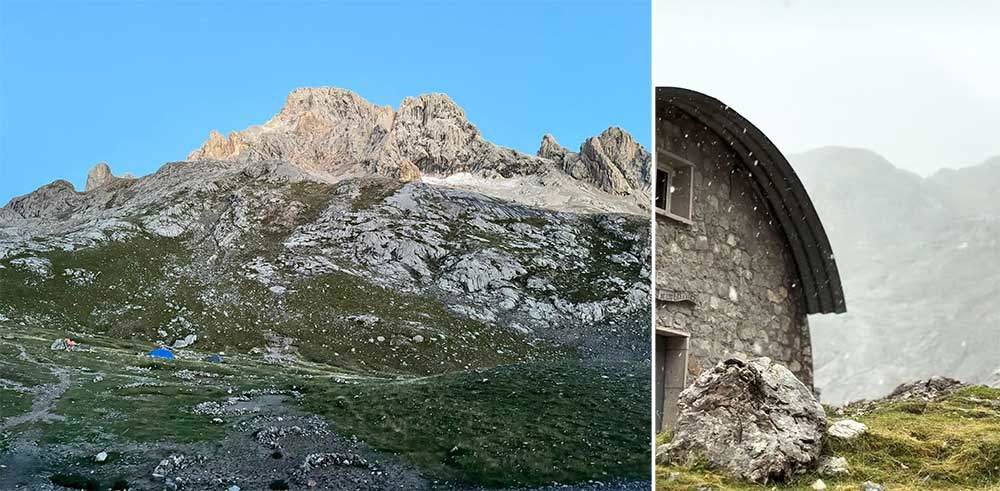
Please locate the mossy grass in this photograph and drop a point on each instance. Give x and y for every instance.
(953, 443)
(375, 191)
(522, 424)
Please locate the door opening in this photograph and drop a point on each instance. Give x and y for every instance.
(671, 375)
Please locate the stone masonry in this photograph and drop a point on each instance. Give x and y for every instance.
(727, 279)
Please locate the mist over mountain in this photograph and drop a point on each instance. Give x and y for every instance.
(920, 262)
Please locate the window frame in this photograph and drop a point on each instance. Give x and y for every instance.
(670, 163)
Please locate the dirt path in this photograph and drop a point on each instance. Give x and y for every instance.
(44, 396)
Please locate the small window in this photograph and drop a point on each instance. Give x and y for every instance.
(674, 187)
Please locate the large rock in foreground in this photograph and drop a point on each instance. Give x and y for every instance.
(752, 419)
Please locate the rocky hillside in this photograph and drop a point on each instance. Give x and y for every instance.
(347, 238)
(919, 261)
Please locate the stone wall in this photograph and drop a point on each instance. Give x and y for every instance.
(728, 279)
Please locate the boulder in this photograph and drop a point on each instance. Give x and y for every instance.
(750, 418)
(870, 486)
(846, 429)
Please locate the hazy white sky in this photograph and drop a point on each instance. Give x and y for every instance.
(918, 82)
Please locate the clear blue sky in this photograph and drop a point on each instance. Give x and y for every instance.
(138, 84)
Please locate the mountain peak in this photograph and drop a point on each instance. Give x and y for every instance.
(551, 149)
(339, 133)
(613, 161)
(98, 176)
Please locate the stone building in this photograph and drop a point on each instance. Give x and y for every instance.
(742, 257)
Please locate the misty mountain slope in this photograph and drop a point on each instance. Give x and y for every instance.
(417, 311)
(920, 271)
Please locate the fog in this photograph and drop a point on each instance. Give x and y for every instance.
(917, 82)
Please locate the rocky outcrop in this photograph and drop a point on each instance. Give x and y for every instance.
(98, 176)
(752, 419)
(338, 132)
(52, 199)
(931, 389)
(612, 161)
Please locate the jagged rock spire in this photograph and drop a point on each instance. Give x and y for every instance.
(98, 176)
(613, 161)
(336, 131)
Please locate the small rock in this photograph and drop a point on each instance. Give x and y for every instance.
(233, 488)
(818, 485)
(278, 290)
(311, 483)
(832, 466)
(418, 339)
(847, 429)
(217, 421)
(101, 457)
(380, 339)
(187, 341)
(870, 486)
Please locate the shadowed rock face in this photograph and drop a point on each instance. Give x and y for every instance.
(49, 200)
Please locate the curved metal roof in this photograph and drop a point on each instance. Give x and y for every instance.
(782, 189)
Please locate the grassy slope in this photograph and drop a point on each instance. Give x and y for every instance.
(516, 424)
(949, 444)
(527, 423)
(531, 422)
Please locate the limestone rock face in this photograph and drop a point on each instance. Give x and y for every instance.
(317, 129)
(551, 149)
(752, 419)
(51, 199)
(336, 131)
(613, 161)
(433, 133)
(98, 176)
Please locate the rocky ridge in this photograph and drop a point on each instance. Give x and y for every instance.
(263, 204)
(337, 133)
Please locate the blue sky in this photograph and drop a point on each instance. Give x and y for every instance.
(138, 84)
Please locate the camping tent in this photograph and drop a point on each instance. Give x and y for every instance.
(161, 352)
(213, 358)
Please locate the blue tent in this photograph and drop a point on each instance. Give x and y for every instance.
(161, 352)
(214, 358)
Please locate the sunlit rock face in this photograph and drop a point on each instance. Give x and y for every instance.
(98, 176)
(613, 161)
(336, 132)
(727, 277)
